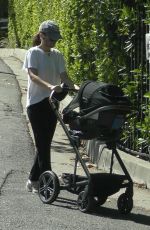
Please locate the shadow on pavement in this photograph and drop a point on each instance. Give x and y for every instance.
(114, 214)
(66, 203)
(104, 211)
(61, 147)
(61, 143)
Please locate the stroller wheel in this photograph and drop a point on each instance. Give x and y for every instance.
(125, 203)
(100, 200)
(84, 202)
(48, 187)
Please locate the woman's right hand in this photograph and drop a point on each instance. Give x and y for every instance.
(56, 88)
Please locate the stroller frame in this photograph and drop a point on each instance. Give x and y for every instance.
(84, 187)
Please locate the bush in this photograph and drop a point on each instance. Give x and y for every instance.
(99, 40)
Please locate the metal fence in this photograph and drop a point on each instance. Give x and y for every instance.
(139, 61)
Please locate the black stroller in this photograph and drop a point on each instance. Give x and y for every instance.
(103, 109)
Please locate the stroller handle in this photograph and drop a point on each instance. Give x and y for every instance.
(60, 96)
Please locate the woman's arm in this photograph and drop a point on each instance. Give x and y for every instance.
(64, 78)
(33, 73)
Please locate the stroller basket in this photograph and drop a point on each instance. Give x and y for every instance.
(100, 184)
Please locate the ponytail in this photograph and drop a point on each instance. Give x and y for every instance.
(36, 40)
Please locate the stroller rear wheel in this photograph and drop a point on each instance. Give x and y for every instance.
(48, 187)
(125, 203)
(84, 202)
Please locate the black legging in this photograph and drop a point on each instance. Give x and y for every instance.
(43, 122)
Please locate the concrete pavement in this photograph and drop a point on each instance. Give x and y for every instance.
(14, 58)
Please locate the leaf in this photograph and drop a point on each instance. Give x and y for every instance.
(147, 95)
(138, 71)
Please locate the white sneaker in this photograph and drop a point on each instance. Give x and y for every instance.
(32, 186)
(61, 181)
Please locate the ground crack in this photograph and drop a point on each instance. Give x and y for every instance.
(10, 172)
(5, 179)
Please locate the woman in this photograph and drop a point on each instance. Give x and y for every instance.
(46, 70)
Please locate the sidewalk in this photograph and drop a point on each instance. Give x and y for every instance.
(14, 58)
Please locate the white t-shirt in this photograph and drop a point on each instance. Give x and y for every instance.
(49, 66)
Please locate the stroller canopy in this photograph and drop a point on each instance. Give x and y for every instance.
(93, 94)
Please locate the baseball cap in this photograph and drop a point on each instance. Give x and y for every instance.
(51, 29)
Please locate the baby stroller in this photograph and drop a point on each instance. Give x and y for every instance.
(103, 109)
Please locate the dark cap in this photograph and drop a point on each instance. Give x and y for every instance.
(51, 29)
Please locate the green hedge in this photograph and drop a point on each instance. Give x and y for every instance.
(94, 33)
(98, 36)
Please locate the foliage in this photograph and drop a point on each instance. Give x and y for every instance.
(99, 43)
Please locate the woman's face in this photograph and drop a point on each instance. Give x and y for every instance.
(46, 41)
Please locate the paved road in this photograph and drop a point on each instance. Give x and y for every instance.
(16, 146)
(22, 210)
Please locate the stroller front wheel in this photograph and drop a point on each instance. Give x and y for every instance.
(84, 202)
(100, 200)
(125, 203)
(48, 187)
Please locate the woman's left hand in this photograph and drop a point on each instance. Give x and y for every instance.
(76, 87)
